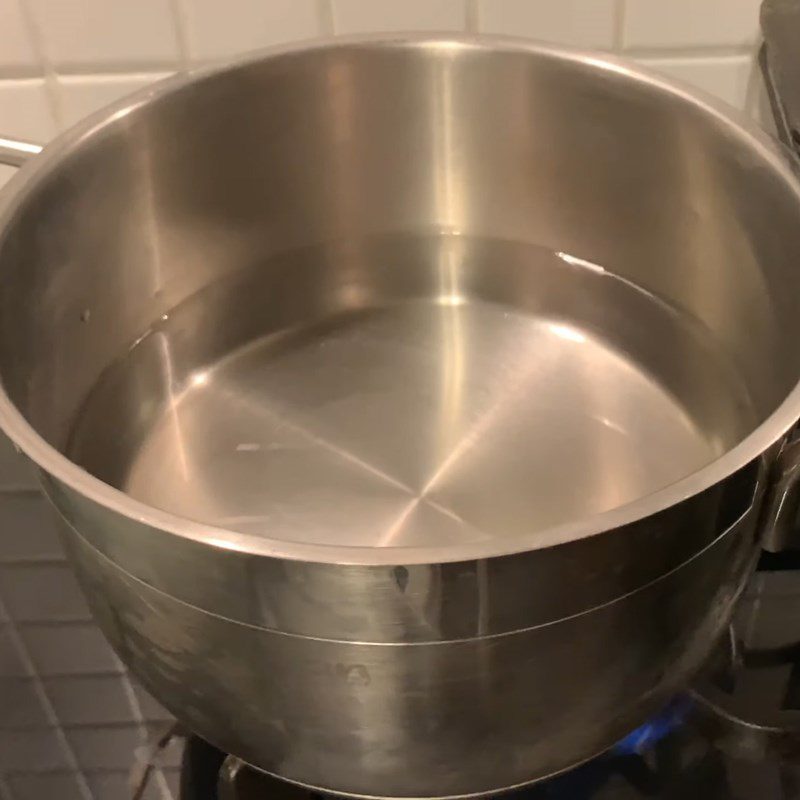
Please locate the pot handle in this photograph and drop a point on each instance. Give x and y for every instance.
(779, 528)
(15, 152)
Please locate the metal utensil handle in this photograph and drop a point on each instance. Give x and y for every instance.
(15, 152)
(779, 517)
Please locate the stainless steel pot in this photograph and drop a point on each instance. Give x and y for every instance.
(409, 403)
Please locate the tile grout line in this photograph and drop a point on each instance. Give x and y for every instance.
(66, 675)
(752, 90)
(325, 17)
(181, 29)
(49, 709)
(45, 561)
(118, 725)
(44, 624)
(689, 52)
(471, 16)
(123, 69)
(67, 621)
(92, 772)
(618, 31)
(139, 719)
(21, 488)
(131, 68)
(21, 72)
(50, 79)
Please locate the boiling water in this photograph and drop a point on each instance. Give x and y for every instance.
(411, 391)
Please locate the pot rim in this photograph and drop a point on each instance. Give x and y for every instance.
(58, 466)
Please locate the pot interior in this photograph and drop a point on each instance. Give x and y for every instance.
(402, 294)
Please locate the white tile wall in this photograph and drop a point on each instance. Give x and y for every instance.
(246, 25)
(19, 699)
(12, 664)
(359, 16)
(39, 787)
(80, 95)
(106, 748)
(691, 23)
(17, 54)
(45, 592)
(89, 699)
(82, 35)
(62, 59)
(114, 786)
(58, 649)
(68, 712)
(727, 77)
(31, 750)
(583, 23)
(25, 108)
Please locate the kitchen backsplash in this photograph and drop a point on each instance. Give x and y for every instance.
(72, 723)
(70, 717)
(62, 59)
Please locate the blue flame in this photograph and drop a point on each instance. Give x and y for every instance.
(655, 729)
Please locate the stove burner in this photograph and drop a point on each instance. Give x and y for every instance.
(209, 775)
(652, 732)
(749, 703)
